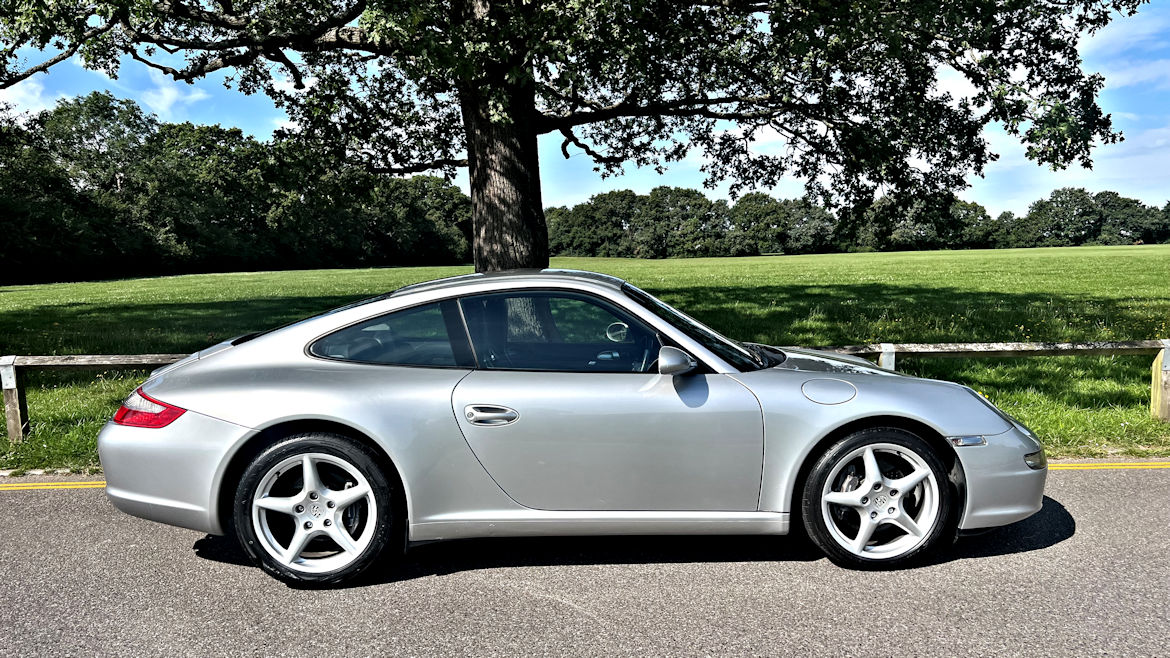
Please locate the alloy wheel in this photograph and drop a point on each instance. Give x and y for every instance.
(314, 512)
(880, 501)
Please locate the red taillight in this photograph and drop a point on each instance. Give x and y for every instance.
(141, 410)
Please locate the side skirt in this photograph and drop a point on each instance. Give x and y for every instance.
(532, 523)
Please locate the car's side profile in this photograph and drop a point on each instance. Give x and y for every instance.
(552, 403)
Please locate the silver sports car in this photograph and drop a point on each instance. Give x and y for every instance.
(552, 403)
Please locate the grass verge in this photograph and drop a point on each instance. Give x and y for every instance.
(1081, 406)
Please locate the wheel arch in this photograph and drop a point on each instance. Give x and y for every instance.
(273, 434)
(956, 475)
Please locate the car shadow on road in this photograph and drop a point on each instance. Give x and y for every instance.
(1051, 525)
(1048, 527)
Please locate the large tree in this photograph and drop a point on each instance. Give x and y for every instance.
(845, 92)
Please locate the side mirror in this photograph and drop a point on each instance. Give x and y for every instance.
(673, 361)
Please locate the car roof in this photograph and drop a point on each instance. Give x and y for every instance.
(512, 276)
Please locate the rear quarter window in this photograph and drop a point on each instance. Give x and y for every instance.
(418, 336)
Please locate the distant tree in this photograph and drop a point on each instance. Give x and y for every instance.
(404, 87)
(891, 224)
(421, 220)
(810, 228)
(982, 231)
(968, 226)
(678, 222)
(97, 138)
(96, 188)
(1125, 220)
(602, 226)
(201, 193)
(1068, 217)
(758, 225)
(98, 141)
(44, 220)
(1161, 232)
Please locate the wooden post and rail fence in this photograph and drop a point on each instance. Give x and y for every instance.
(16, 408)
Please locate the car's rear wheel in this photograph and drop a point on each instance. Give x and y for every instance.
(314, 509)
(878, 498)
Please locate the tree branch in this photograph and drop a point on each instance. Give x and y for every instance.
(570, 138)
(56, 59)
(191, 72)
(421, 167)
(684, 107)
(279, 57)
(332, 33)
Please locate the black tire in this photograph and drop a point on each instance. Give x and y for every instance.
(338, 462)
(891, 545)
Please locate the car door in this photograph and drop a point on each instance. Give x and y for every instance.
(568, 412)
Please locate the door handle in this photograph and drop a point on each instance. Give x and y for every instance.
(488, 414)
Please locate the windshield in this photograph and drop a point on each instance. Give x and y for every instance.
(741, 357)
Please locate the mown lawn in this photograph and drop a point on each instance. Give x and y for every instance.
(1083, 406)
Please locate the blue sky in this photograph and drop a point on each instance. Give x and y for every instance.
(1132, 53)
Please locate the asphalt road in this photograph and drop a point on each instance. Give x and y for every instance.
(1088, 575)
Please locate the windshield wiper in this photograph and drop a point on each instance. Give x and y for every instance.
(765, 355)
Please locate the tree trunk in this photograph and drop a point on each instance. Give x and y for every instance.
(506, 209)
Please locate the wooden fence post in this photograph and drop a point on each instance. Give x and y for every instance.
(15, 405)
(886, 358)
(1160, 384)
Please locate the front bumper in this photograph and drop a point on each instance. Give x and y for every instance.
(1001, 487)
(171, 474)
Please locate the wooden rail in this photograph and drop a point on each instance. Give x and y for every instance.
(16, 408)
(886, 352)
(15, 405)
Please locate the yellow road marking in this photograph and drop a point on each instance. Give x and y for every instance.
(1121, 466)
(30, 486)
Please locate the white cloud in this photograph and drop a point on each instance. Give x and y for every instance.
(1139, 167)
(27, 96)
(284, 123)
(1154, 72)
(166, 94)
(1145, 31)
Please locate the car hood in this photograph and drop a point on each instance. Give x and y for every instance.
(817, 361)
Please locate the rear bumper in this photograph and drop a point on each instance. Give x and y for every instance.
(172, 474)
(1001, 488)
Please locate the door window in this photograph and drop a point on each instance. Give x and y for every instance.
(557, 331)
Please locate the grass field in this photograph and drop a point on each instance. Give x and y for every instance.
(1084, 406)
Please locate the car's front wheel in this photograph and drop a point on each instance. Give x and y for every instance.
(878, 498)
(314, 509)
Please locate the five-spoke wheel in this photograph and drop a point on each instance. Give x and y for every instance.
(878, 497)
(314, 509)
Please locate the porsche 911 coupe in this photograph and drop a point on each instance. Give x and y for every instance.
(553, 402)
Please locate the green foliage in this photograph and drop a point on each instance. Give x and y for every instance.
(679, 223)
(851, 88)
(1072, 216)
(602, 227)
(95, 188)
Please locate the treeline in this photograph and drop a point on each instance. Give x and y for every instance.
(672, 222)
(96, 188)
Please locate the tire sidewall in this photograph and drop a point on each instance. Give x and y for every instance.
(356, 454)
(815, 524)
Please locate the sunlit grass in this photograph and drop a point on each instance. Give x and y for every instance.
(1080, 406)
